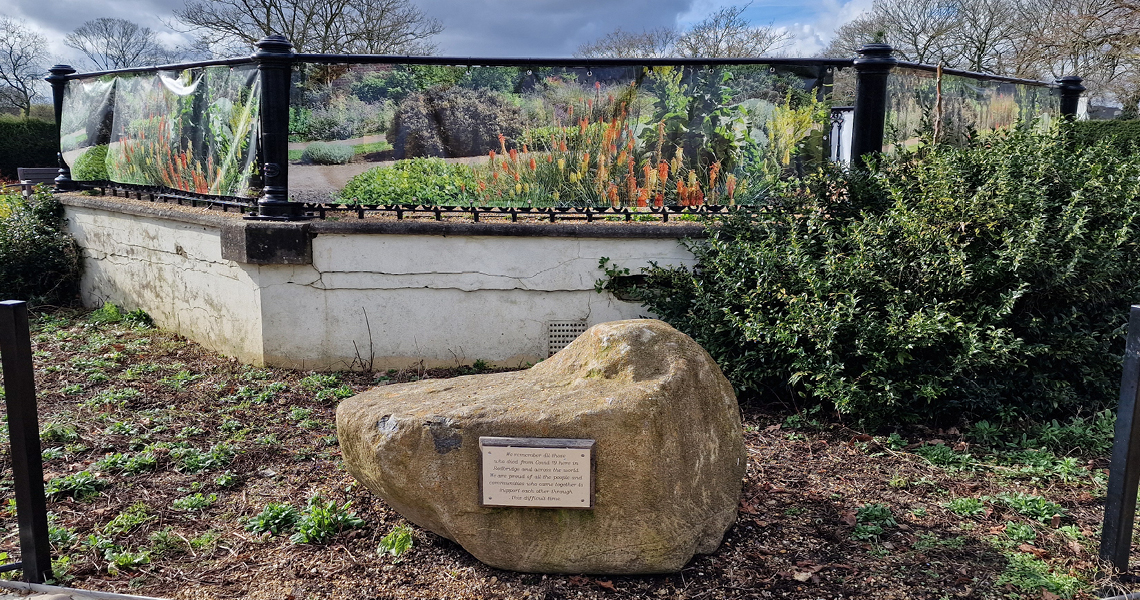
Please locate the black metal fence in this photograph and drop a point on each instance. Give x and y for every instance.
(246, 140)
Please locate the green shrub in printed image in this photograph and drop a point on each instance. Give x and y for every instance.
(320, 153)
(91, 165)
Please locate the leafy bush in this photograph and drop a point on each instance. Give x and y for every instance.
(38, 261)
(993, 279)
(344, 117)
(1122, 134)
(453, 122)
(91, 165)
(320, 153)
(417, 181)
(111, 313)
(26, 143)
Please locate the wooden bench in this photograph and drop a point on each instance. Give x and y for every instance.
(31, 176)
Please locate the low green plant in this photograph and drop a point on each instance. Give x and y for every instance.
(194, 502)
(1030, 574)
(944, 456)
(1034, 507)
(275, 519)
(82, 486)
(179, 380)
(136, 515)
(337, 393)
(59, 432)
(322, 519)
(320, 153)
(193, 460)
(1020, 532)
(396, 542)
(227, 479)
(966, 507)
(110, 313)
(61, 538)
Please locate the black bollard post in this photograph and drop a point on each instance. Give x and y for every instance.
(24, 434)
(1124, 470)
(1071, 90)
(58, 77)
(871, 71)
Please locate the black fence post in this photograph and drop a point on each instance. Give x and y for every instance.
(57, 77)
(1071, 90)
(871, 70)
(24, 433)
(274, 58)
(1124, 470)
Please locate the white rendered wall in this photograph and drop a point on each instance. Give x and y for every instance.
(440, 299)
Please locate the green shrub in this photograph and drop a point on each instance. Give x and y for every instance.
(418, 181)
(26, 143)
(988, 280)
(91, 165)
(321, 153)
(453, 122)
(1122, 134)
(39, 263)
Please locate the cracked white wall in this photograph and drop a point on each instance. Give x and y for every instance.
(442, 299)
(175, 272)
(439, 299)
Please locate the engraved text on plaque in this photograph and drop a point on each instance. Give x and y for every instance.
(537, 472)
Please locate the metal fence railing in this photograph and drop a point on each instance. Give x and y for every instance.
(556, 137)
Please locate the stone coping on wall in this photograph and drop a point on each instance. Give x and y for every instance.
(276, 242)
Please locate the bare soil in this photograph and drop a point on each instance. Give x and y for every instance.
(802, 530)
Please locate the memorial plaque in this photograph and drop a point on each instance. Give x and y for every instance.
(537, 472)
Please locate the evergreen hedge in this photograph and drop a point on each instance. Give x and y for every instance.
(990, 280)
(1120, 133)
(26, 143)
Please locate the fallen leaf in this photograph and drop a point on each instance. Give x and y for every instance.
(609, 585)
(935, 442)
(849, 518)
(953, 431)
(1038, 552)
(862, 437)
(1076, 546)
(747, 508)
(775, 427)
(1056, 521)
(961, 447)
(578, 580)
(1047, 595)
(801, 576)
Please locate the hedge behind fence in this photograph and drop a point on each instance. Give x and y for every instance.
(1119, 133)
(26, 143)
(992, 280)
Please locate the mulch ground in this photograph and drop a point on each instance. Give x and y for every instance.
(826, 511)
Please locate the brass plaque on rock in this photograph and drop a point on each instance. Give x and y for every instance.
(536, 472)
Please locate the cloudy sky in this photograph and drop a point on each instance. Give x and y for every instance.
(523, 28)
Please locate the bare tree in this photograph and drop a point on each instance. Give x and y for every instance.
(727, 34)
(332, 26)
(119, 43)
(653, 43)
(724, 34)
(854, 34)
(23, 63)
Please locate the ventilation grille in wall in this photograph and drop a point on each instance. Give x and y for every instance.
(561, 333)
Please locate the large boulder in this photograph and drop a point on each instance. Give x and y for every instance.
(669, 454)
